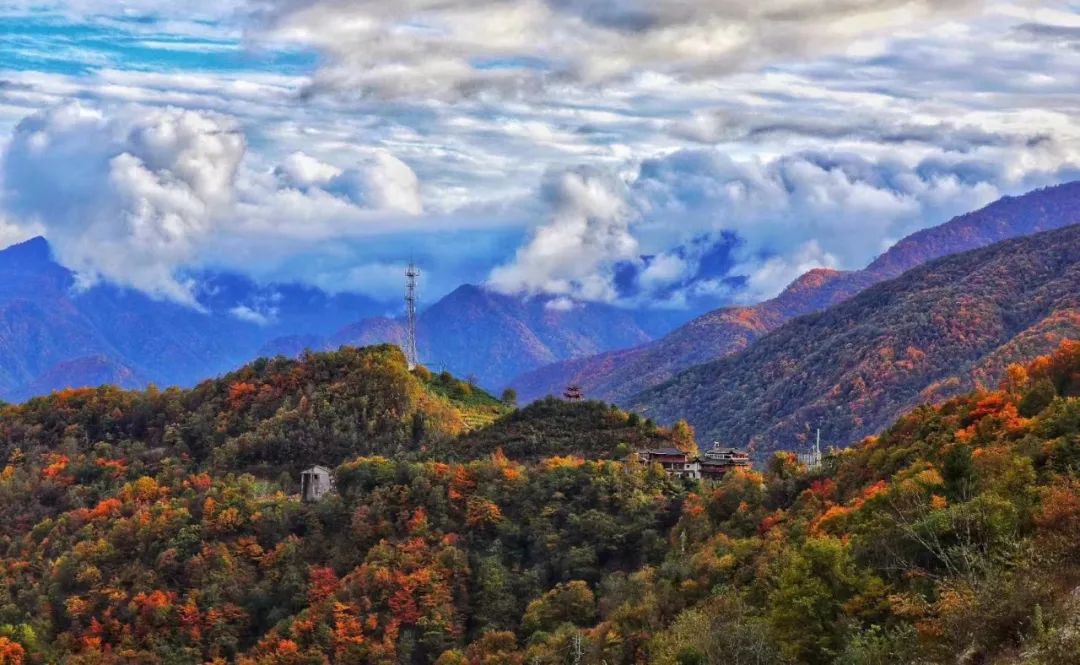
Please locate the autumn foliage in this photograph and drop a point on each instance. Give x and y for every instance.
(127, 538)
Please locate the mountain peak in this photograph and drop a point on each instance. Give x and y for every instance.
(469, 291)
(813, 279)
(35, 251)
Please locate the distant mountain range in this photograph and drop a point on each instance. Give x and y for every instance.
(617, 375)
(937, 331)
(494, 337)
(53, 335)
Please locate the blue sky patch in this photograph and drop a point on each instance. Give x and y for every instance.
(54, 43)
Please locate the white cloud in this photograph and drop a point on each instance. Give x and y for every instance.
(450, 48)
(769, 277)
(252, 315)
(790, 214)
(665, 269)
(384, 183)
(204, 10)
(127, 197)
(12, 233)
(375, 279)
(134, 194)
(561, 304)
(381, 182)
(301, 170)
(571, 254)
(820, 209)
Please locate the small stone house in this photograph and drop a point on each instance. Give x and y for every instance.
(315, 483)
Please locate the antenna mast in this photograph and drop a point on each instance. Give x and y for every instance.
(411, 275)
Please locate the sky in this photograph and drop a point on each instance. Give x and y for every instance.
(646, 153)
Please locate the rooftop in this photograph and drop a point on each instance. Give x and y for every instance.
(666, 451)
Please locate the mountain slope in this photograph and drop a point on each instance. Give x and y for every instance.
(617, 375)
(271, 413)
(502, 336)
(933, 332)
(551, 427)
(954, 537)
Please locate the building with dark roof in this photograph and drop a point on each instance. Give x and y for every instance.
(713, 464)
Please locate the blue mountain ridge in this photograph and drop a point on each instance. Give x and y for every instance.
(54, 335)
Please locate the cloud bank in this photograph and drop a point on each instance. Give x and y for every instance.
(128, 197)
(135, 194)
(789, 215)
(451, 48)
(648, 153)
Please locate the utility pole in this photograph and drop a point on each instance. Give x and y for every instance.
(412, 273)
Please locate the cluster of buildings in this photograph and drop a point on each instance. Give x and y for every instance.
(710, 465)
(318, 481)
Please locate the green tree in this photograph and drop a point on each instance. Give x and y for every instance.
(509, 397)
(495, 606)
(813, 586)
(1037, 398)
(572, 602)
(683, 438)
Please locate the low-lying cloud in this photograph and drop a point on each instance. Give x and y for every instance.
(130, 196)
(134, 194)
(574, 253)
(789, 214)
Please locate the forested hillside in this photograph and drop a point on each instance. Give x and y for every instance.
(273, 414)
(952, 536)
(551, 427)
(618, 375)
(937, 331)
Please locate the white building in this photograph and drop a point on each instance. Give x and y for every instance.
(812, 459)
(315, 483)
